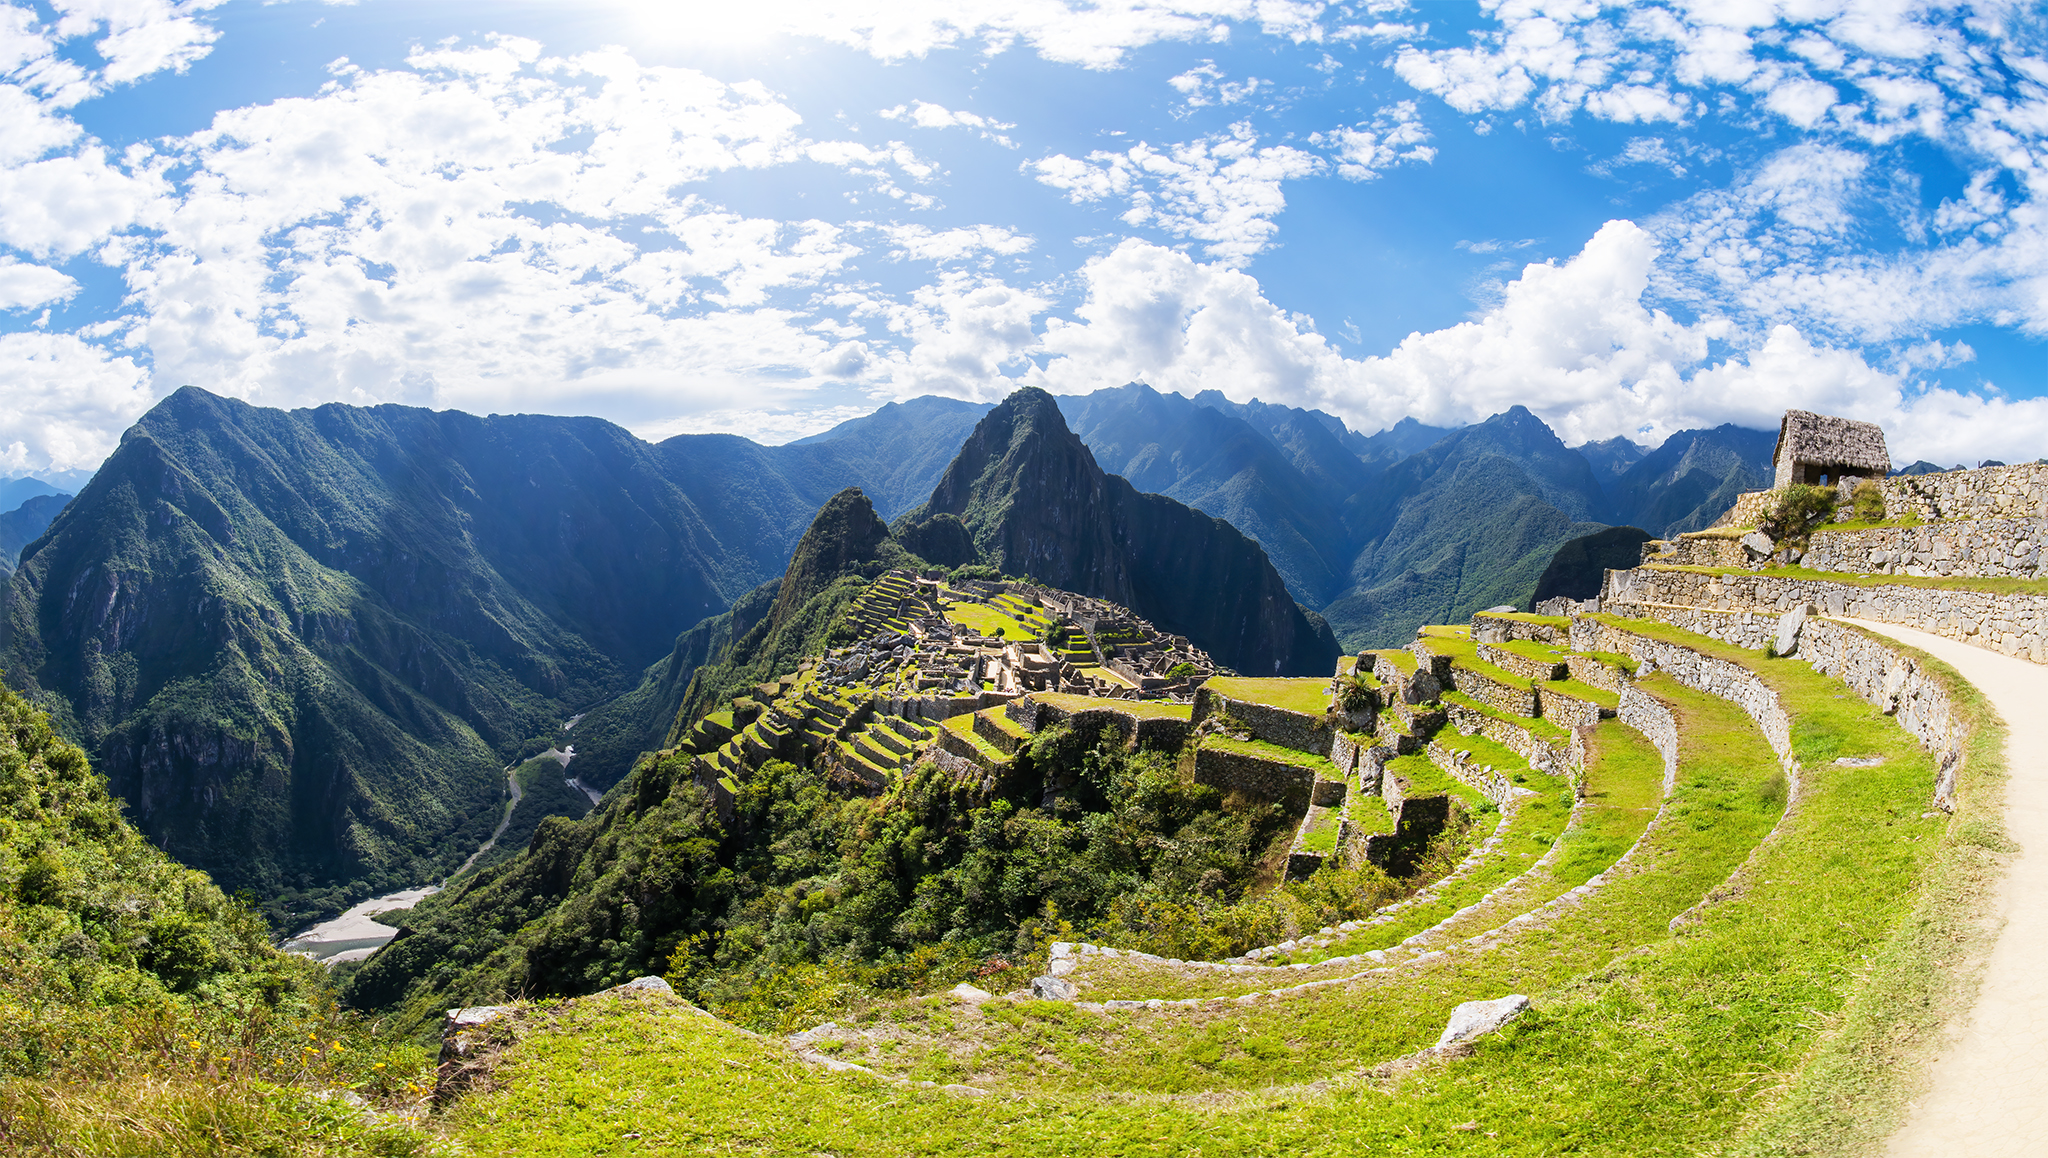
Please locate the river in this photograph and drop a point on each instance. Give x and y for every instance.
(356, 934)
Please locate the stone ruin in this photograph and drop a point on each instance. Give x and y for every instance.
(1820, 449)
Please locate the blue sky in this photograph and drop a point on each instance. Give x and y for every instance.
(767, 217)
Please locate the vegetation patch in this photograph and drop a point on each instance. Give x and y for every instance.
(1987, 585)
(1273, 752)
(1310, 697)
(1142, 709)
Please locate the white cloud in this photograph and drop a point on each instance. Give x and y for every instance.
(1573, 341)
(68, 401)
(920, 243)
(926, 115)
(1221, 190)
(1204, 85)
(1395, 134)
(22, 284)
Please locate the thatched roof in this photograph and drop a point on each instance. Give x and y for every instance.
(1806, 438)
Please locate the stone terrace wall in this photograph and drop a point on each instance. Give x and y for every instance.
(1492, 785)
(1271, 779)
(1648, 715)
(1995, 492)
(1895, 682)
(1567, 759)
(1296, 730)
(2015, 625)
(1497, 629)
(1134, 730)
(1716, 677)
(1981, 548)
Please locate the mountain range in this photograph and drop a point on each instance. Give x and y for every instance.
(304, 644)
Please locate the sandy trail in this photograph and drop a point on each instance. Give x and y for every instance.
(1990, 1089)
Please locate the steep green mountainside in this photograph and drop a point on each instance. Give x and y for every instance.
(302, 644)
(1035, 502)
(1581, 565)
(1686, 483)
(1220, 465)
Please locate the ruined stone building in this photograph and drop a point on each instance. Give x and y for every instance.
(1820, 448)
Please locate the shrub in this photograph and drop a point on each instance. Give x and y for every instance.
(1799, 509)
(1867, 503)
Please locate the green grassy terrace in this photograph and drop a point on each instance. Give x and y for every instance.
(1367, 811)
(1990, 586)
(1142, 709)
(1540, 728)
(1309, 696)
(1770, 1025)
(986, 620)
(1558, 621)
(1320, 765)
(1319, 830)
(963, 727)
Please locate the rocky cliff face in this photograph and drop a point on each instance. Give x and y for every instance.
(1035, 503)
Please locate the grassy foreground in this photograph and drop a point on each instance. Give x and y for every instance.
(1751, 1029)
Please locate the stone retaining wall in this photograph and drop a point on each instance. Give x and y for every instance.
(1521, 665)
(1567, 711)
(1996, 492)
(1896, 683)
(1559, 759)
(1297, 730)
(1707, 551)
(1596, 673)
(1648, 715)
(1493, 785)
(2015, 625)
(1978, 548)
(1271, 779)
(1716, 677)
(1515, 701)
(1134, 730)
(1500, 629)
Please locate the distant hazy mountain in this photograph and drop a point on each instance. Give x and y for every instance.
(1690, 480)
(1036, 503)
(1467, 524)
(1216, 462)
(1580, 567)
(24, 524)
(1611, 458)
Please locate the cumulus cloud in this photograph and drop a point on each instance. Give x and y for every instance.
(68, 400)
(1571, 340)
(22, 284)
(1395, 134)
(1205, 85)
(926, 115)
(1222, 190)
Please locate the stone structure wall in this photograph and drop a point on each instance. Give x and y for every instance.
(1134, 730)
(1561, 759)
(1994, 492)
(1749, 509)
(1526, 667)
(1502, 697)
(1345, 749)
(2015, 625)
(1498, 629)
(1296, 730)
(1594, 673)
(1567, 711)
(1490, 784)
(1287, 783)
(1648, 715)
(1716, 677)
(1707, 550)
(1883, 675)
(1972, 547)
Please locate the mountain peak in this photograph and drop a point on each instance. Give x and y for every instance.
(846, 531)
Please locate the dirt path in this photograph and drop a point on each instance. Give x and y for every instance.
(1990, 1089)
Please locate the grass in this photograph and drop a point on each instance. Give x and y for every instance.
(1540, 728)
(1402, 659)
(963, 727)
(1530, 649)
(1747, 1032)
(1486, 752)
(1260, 749)
(1420, 777)
(1913, 520)
(1367, 812)
(1444, 631)
(1142, 709)
(1580, 690)
(1310, 697)
(986, 620)
(1319, 830)
(1558, 621)
(1989, 586)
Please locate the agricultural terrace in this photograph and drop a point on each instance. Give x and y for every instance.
(1310, 697)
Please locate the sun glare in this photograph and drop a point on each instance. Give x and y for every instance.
(698, 22)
